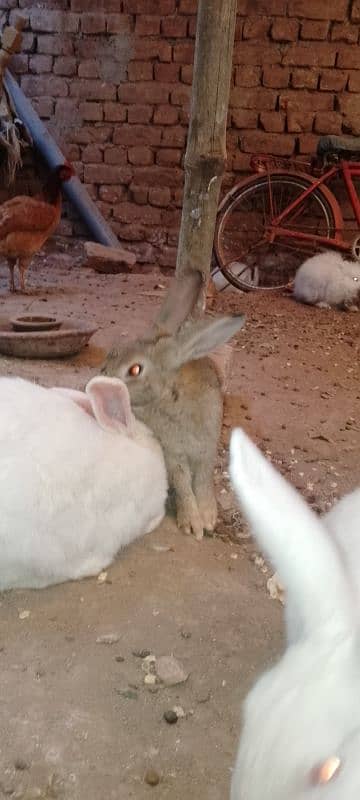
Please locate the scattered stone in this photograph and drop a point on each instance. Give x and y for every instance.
(141, 653)
(119, 659)
(107, 638)
(170, 717)
(170, 671)
(102, 577)
(152, 777)
(179, 711)
(24, 614)
(204, 698)
(185, 634)
(275, 589)
(150, 679)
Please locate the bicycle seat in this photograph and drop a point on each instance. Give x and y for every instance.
(338, 144)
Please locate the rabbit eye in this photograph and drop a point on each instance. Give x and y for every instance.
(135, 370)
(326, 771)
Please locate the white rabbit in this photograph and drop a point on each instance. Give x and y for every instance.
(327, 280)
(301, 720)
(80, 478)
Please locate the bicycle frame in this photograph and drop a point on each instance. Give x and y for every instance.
(348, 171)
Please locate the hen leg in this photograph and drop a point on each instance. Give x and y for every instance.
(11, 265)
(23, 264)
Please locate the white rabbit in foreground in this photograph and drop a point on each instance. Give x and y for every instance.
(328, 280)
(80, 478)
(301, 721)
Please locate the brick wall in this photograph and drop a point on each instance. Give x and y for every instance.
(112, 80)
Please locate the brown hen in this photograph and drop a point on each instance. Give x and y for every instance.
(27, 222)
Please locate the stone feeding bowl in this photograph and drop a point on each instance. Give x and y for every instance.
(43, 337)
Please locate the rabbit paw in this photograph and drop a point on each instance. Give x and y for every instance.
(189, 521)
(208, 513)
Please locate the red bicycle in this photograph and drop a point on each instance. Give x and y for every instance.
(269, 223)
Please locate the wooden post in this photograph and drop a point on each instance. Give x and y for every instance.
(206, 148)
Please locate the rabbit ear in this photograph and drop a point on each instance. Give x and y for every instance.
(110, 404)
(179, 302)
(197, 339)
(80, 398)
(295, 540)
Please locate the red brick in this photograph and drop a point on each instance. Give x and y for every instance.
(305, 78)
(167, 72)
(355, 11)
(92, 133)
(144, 50)
(271, 7)
(141, 156)
(130, 233)
(348, 103)
(275, 77)
(72, 152)
(188, 6)
(248, 53)
(305, 101)
(92, 89)
(175, 27)
(299, 121)
(244, 119)
(28, 43)
(39, 64)
(328, 122)
(315, 30)
(171, 217)
(187, 73)
(60, 45)
(253, 98)
(308, 143)
(53, 21)
(159, 197)
(173, 236)
(138, 114)
(92, 154)
(344, 32)
(181, 96)
(333, 80)
(138, 92)
(89, 68)
(168, 256)
(94, 5)
(65, 65)
(91, 112)
(274, 143)
(41, 86)
(104, 209)
(147, 25)
(240, 163)
(192, 27)
(247, 76)
(6, 4)
(93, 23)
(140, 71)
(169, 156)
(138, 194)
(256, 28)
(134, 135)
(86, 48)
(285, 30)
(183, 53)
(349, 57)
(118, 23)
(67, 113)
(161, 7)
(354, 82)
(272, 121)
(114, 112)
(112, 194)
(44, 107)
(165, 115)
(173, 137)
(321, 9)
(129, 212)
(115, 155)
(306, 55)
(107, 173)
(159, 176)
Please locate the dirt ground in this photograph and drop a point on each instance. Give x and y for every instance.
(77, 720)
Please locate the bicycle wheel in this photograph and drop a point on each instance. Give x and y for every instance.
(243, 251)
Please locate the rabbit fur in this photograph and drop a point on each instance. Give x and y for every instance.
(303, 713)
(328, 280)
(177, 393)
(80, 478)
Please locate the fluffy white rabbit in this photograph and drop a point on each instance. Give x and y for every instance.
(328, 280)
(301, 721)
(80, 478)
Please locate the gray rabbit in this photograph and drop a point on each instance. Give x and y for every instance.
(178, 394)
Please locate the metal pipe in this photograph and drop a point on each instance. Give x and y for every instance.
(53, 156)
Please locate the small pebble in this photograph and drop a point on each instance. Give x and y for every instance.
(152, 777)
(24, 614)
(171, 717)
(107, 638)
(141, 653)
(21, 764)
(119, 659)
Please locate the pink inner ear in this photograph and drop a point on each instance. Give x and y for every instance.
(80, 398)
(110, 402)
